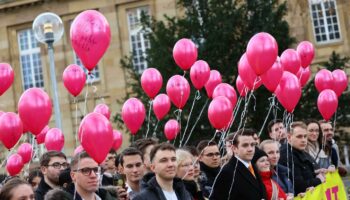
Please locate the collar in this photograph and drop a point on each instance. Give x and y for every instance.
(129, 188)
(246, 164)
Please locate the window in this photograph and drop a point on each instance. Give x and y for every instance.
(325, 20)
(30, 59)
(138, 41)
(95, 72)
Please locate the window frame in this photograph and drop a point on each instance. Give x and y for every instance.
(325, 23)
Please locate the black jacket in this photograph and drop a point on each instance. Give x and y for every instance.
(235, 182)
(42, 189)
(206, 178)
(150, 189)
(192, 188)
(301, 168)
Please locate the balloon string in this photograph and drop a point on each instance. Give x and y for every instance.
(272, 104)
(149, 116)
(76, 121)
(178, 119)
(234, 114)
(335, 121)
(155, 129)
(197, 120)
(86, 96)
(196, 98)
(7, 157)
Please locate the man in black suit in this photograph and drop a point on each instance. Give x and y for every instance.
(238, 179)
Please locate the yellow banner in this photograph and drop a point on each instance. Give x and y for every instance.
(332, 189)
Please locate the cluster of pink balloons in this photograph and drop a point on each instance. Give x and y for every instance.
(15, 162)
(284, 76)
(330, 85)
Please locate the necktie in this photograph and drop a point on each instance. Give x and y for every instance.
(250, 167)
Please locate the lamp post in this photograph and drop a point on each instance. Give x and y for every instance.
(48, 29)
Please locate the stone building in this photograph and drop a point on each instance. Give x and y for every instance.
(323, 22)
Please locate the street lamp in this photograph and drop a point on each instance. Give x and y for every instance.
(48, 29)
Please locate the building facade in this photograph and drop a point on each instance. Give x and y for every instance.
(323, 22)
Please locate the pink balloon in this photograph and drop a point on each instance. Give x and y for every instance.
(1, 113)
(178, 90)
(40, 138)
(11, 129)
(273, 76)
(303, 75)
(90, 36)
(171, 129)
(118, 140)
(6, 77)
(199, 74)
(290, 61)
(214, 80)
(241, 87)
(288, 92)
(226, 90)
(103, 109)
(133, 114)
(78, 150)
(220, 112)
(35, 108)
(327, 103)
(185, 53)
(306, 53)
(340, 81)
(14, 164)
(262, 51)
(74, 79)
(54, 140)
(151, 82)
(324, 80)
(161, 106)
(96, 136)
(25, 150)
(247, 74)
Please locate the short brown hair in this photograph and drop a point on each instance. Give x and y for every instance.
(295, 124)
(6, 190)
(161, 147)
(273, 122)
(142, 144)
(75, 160)
(205, 143)
(130, 151)
(46, 157)
(242, 132)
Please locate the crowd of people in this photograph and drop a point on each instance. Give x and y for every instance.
(290, 162)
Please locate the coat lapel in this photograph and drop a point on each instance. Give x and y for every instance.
(247, 175)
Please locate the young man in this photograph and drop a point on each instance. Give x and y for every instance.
(209, 160)
(239, 179)
(163, 185)
(280, 172)
(109, 169)
(300, 164)
(51, 165)
(85, 176)
(145, 145)
(277, 131)
(131, 161)
(328, 133)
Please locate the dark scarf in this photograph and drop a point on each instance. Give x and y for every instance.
(209, 171)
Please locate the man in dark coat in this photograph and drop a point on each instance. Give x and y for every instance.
(300, 164)
(162, 185)
(209, 160)
(238, 179)
(51, 165)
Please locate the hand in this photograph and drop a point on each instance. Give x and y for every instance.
(290, 196)
(321, 177)
(310, 189)
(331, 168)
(301, 195)
(321, 171)
(122, 194)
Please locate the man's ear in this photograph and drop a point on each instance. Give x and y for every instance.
(152, 166)
(72, 175)
(43, 170)
(289, 136)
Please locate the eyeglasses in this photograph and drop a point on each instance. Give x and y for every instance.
(86, 171)
(212, 154)
(58, 165)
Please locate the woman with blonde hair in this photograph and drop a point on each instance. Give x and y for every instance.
(185, 171)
